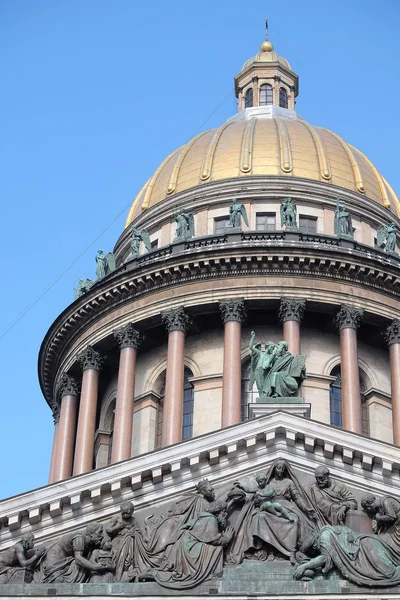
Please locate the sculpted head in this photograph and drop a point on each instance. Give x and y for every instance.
(94, 534)
(269, 347)
(205, 488)
(368, 503)
(261, 479)
(28, 541)
(127, 509)
(322, 477)
(282, 348)
(280, 469)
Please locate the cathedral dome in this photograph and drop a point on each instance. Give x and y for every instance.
(250, 145)
(266, 54)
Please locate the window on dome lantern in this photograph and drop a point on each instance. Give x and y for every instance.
(188, 406)
(283, 98)
(248, 99)
(266, 95)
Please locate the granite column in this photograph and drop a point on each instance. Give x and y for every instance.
(129, 340)
(90, 361)
(233, 314)
(392, 335)
(348, 320)
(68, 389)
(176, 322)
(291, 313)
(56, 418)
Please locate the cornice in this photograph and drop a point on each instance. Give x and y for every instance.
(223, 456)
(241, 254)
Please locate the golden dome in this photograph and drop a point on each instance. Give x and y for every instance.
(265, 146)
(266, 54)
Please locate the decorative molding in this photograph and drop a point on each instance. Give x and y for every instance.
(232, 310)
(260, 254)
(348, 316)
(392, 333)
(128, 337)
(176, 320)
(67, 386)
(291, 310)
(90, 359)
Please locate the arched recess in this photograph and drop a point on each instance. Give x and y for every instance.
(335, 398)
(105, 432)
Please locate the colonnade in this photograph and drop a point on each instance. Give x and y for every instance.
(75, 420)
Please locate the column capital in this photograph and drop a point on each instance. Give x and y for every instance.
(67, 386)
(128, 337)
(291, 309)
(348, 316)
(176, 319)
(90, 359)
(392, 333)
(232, 310)
(55, 409)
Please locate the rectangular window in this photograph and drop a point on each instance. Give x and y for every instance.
(154, 245)
(266, 221)
(220, 224)
(307, 224)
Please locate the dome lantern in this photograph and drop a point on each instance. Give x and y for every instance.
(266, 79)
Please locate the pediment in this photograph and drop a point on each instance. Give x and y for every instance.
(154, 480)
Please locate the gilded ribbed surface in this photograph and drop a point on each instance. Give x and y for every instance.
(292, 148)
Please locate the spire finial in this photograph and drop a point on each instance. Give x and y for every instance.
(266, 46)
(266, 30)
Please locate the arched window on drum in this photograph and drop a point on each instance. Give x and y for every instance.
(248, 396)
(266, 94)
(335, 400)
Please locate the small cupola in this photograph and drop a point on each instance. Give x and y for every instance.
(266, 79)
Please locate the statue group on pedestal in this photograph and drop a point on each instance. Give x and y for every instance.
(268, 516)
(276, 372)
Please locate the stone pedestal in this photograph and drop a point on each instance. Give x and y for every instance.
(294, 406)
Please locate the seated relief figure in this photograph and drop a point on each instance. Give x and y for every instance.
(15, 563)
(331, 498)
(152, 550)
(386, 517)
(276, 372)
(103, 556)
(262, 535)
(67, 560)
(197, 555)
(363, 559)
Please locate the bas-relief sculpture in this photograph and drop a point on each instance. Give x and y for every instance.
(271, 516)
(276, 372)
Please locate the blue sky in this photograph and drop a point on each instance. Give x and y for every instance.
(95, 95)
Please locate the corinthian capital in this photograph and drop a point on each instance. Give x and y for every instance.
(348, 316)
(68, 386)
(90, 359)
(392, 333)
(55, 409)
(176, 319)
(291, 309)
(232, 310)
(128, 337)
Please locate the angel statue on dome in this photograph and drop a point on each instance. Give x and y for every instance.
(105, 264)
(237, 212)
(137, 236)
(386, 238)
(184, 225)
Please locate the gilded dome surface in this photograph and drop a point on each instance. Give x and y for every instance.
(275, 147)
(266, 55)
